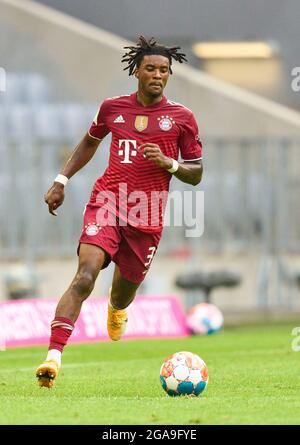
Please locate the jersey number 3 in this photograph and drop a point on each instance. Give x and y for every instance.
(150, 256)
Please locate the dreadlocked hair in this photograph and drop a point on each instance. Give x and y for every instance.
(146, 47)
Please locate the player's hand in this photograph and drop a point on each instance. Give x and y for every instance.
(55, 197)
(154, 153)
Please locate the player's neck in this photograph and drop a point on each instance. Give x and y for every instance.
(147, 101)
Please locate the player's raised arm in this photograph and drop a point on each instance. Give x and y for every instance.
(189, 171)
(81, 155)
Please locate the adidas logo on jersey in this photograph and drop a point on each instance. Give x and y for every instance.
(119, 120)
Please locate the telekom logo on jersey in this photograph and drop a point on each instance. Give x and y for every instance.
(127, 149)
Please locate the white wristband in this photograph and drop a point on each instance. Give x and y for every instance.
(62, 179)
(175, 166)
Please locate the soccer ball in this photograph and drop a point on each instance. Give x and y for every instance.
(205, 318)
(184, 373)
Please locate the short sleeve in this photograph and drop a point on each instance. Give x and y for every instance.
(99, 129)
(189, 141)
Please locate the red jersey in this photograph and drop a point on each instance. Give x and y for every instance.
(168, 124)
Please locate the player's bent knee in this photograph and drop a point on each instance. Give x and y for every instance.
(83, 283)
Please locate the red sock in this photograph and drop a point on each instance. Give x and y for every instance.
(61, 329)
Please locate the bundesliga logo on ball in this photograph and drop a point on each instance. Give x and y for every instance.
(184, 373)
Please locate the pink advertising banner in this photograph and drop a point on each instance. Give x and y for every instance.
(27, 322)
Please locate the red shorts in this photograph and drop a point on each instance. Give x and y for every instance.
(131, 249)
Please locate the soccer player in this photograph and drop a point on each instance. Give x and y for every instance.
(123, 219)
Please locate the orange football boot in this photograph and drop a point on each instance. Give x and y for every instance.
(47, 372)
(116, 321)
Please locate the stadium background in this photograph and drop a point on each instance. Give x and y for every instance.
(60, 63)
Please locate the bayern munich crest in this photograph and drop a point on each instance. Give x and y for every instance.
(165, 123)
(91, 229)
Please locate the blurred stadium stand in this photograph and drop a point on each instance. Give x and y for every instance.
(185, 23)
(251, 158)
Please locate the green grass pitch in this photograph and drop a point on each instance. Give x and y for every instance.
(254, 378)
